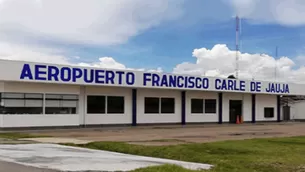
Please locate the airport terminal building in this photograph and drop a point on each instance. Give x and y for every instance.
(46, 95)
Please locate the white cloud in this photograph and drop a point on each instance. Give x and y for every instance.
(110, 63)
(30, 29)
(45, 55)
(220, 62)
(21, 52)
(103, 22)
(286, 12)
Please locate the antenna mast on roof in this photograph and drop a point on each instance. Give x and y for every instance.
(275, 68)
(237, 47)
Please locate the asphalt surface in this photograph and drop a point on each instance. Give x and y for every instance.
(13, 167)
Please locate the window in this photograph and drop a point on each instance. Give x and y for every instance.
(167, 105)
(61, 104)
(103, 104)
(203, 106)
(158, 105)
(21, 103)
(115, 104)
(196, 105)
(152, 105)
(96, 104)
(269, 112)
(210, 106)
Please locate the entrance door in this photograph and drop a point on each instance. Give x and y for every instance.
(235, 109)
(286, 113)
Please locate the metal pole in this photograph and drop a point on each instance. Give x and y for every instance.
(237, 48)
(275, 68)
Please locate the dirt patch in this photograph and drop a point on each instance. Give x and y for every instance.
(194, 136)
(255, 133)
(180, 134)
(10, 141)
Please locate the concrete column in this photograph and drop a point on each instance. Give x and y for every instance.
(134, 107)
(183, 108)
(219, 108)
(278, 108)
(253, 108)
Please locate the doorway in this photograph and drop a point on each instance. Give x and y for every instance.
(286, 112)
(235, 109)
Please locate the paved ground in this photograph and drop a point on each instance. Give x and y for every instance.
(158, 135)
(13, 167)
(67, 158)
(166, 135)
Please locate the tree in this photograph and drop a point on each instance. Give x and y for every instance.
(231, 77)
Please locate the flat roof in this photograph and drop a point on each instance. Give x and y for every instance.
(23, 71)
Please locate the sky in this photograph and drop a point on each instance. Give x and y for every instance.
(174, 36)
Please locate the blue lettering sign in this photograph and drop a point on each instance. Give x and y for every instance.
(130, 78)
(258, 86)
(40, 73)
(255, 86)
(180, 81)
(242, 86)
(228, 84)
(173, 81)
(115, 77)
(99, 76)
(277, 88)
(120, 73)
(146, 78)
(217, 84)
(26, 72)
(74, 74)
(53, 73)
(110, 77)
(65, 74)
(88, 77)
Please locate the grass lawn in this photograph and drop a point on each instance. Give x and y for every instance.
(255, 155)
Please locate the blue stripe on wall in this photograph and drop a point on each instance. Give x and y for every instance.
(219, 108)
(253, 108)
(278, 108)
(183, 107)
(134, 107)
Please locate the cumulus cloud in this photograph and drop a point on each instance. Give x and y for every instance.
(286, 12)
(220, 62)
(33, 30)
(9, 51)
(110, 63)
(102, 22)
(55, 56)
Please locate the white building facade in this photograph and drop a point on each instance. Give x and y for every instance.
(48, 95)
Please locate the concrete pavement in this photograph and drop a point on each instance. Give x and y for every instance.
(13, 167)
(67, 158)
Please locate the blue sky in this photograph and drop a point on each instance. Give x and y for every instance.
(203, 24)
(158, 34)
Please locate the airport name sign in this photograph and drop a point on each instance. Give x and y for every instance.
(109, 77)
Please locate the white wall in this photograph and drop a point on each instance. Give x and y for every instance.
(297, 110)
(39, 120)
(40, 88)
(34, 120)
(1, 90)
(246, 106)
(158, 118)
(194, 118)
(263, 101)
(125, 118)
